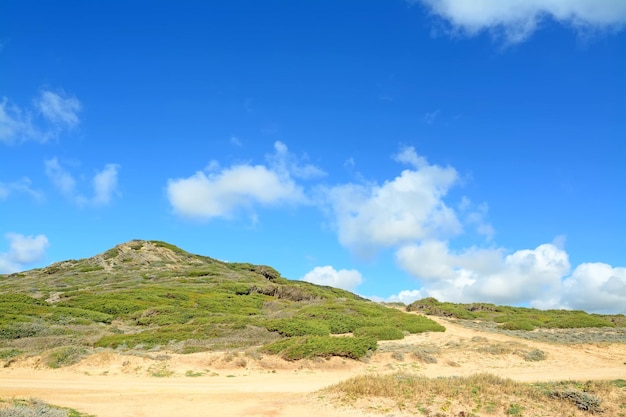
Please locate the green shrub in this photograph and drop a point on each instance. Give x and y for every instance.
(7, 354)
(416, 324)
(380, 333)
(296, 348)
(295, 327)
(159, 337)
(21, 330)
(64, 356)
(583, 400)
(20, 298)
(518, 325)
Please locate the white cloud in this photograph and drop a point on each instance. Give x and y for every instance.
(596, 287)
(15, 124)
(104, 183)
(529, 275)
(410, 207)
(60, 177)
(23, 250)
(23, 185)
(286, 163)
(347, 279)
(208, 194)
(218, 195)
(516, 20)
(404, 296)
(58, 112)
(59, 109)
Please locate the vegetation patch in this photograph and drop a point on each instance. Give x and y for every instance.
(380, 332)
(517, 318)
(481, 394)
(296, 348)
(37, 408)
(150, 294)
(64, 356)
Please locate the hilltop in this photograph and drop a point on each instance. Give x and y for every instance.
(143, 295)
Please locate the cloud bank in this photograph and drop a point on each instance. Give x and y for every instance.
(516, 20)
(410, 215)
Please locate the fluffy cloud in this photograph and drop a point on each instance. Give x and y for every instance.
(217, 192)
(404, 296)
(23, 250)
(104, 183)
(407, 208)
(596, 287)
(57, 112)
(516, 20)
(347, 279)
(486, 274)
(540, 277)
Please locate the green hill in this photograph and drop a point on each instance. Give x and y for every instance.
(144, 295)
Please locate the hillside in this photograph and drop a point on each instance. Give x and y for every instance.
(146, 295)
(146, 319)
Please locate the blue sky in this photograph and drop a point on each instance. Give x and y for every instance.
(470, 151)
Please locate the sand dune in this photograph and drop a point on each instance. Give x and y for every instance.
(109, 384)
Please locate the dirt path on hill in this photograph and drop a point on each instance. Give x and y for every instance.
(207, 384)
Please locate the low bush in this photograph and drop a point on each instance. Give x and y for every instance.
(64, 356)
(297, 327)
(535, 355)
(583, 400)
(380, 333)
(296, 348)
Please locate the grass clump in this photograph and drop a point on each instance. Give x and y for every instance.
(535, 355)
(296, 348)
(425, 354)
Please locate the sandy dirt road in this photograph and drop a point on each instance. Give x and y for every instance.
(109, 384)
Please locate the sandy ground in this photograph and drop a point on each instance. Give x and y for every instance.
(112, 385)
